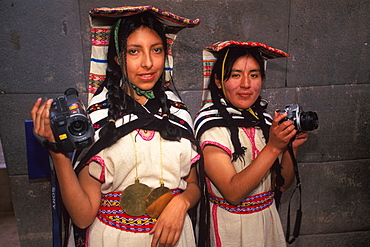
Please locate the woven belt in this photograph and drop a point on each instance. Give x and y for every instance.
(249, 205)
(111, 214)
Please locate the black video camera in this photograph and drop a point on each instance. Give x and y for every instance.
(71, 126)
(303, 121)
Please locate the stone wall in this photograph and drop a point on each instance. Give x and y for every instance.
(45, 49)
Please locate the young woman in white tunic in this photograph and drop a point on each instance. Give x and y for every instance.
(136, 183)
(242, 146)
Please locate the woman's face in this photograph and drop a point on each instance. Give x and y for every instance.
(144, 58)
(244, 85)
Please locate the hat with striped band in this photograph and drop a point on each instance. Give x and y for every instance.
(102, 19)
(210, 57)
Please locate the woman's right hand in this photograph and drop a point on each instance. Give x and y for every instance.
(41, 119)
(281, 132)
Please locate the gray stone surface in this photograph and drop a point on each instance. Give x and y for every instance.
(351, 239)
(329, 43)
(334, 197)
(41, 47)
(328, 72)
(32, 206)
(192, 99)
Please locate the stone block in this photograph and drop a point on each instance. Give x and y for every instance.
(192, 99)
(46, 54)
(334, 197)
(32, 207)
(333, 240)
(328, 42)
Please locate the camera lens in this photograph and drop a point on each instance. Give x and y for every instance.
(309, 120)
(77, 127)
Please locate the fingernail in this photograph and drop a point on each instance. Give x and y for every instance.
(277, 110)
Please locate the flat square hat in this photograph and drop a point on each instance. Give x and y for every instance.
(102, 19)
(210, 57)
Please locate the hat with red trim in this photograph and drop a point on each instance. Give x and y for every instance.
(210, 57)
(102, 19)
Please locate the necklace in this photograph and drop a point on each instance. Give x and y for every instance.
(133, 197)
(138, 199)
(158, 199)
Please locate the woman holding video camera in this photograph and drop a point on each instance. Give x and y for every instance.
(242, 147)
(135, 184)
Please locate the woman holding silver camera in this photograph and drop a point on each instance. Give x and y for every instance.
(135, 184)
(242, 147)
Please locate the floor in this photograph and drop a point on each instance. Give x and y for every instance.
(8, 231)
(8, 224)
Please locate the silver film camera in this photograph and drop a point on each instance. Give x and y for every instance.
(71, 125)
(303, 121)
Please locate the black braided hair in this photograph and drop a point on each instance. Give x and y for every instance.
(276, 167)
(168, 131)
(239, 150)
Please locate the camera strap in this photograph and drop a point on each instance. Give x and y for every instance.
(53, 146)
(298, 218)
(56, 205)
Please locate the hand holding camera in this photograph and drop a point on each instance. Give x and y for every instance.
(71, 126)
(283, 132)
(303, 121)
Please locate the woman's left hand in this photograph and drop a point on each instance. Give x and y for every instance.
(300, 138)
(166, 232)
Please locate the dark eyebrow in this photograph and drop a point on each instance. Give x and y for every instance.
(255, 70)
(134, 45)
(236, 70)
(159, 43)
(240, 71)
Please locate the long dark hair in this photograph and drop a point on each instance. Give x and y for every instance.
(117, 82)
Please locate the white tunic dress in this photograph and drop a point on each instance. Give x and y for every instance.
(253, 226)
(116, 167)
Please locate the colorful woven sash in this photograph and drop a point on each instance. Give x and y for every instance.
(111, 214)
(249, 205)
